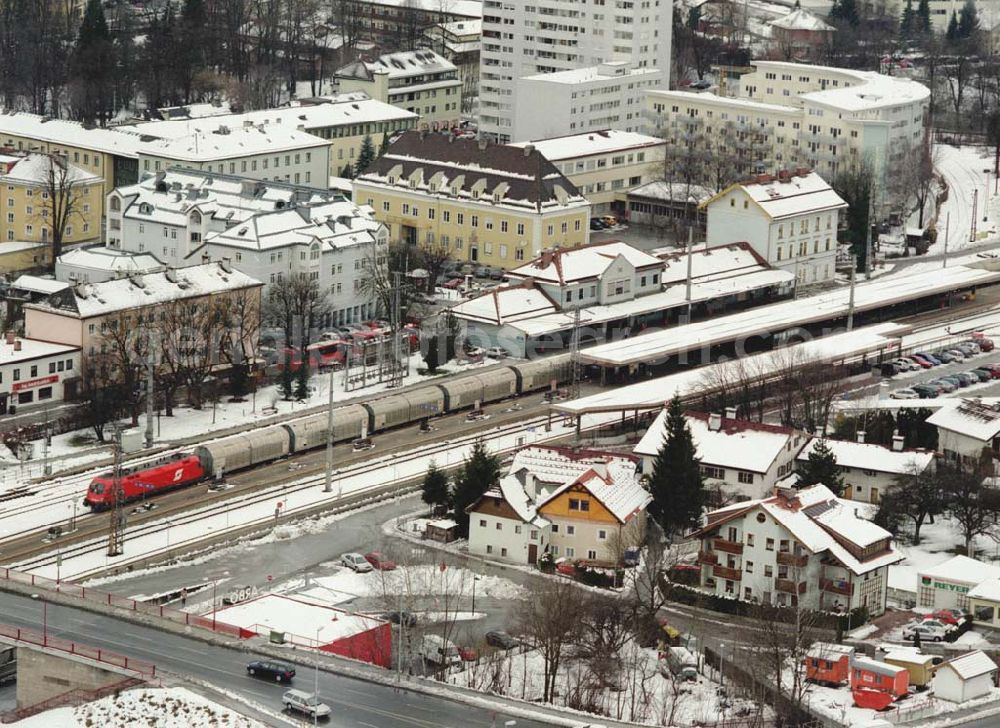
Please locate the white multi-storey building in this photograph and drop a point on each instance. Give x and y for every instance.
(791, 114)
(790, 220)
(801, 547)
(608, 96)
(528, 37)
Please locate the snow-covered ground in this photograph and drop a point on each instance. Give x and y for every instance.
(646, 696)
(162, 708)
(963, 170)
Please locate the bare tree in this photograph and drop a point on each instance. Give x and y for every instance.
(126, 349)
(548, 619)
(241, 317)
(62, 201)
(100, 393)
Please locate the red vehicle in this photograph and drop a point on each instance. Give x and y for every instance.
(871, 699)
(380, 562)
(828, 663)
(325, 354)
(948, 616)
(869, 675)
(175, 471)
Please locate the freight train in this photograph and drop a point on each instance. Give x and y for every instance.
(265, 444)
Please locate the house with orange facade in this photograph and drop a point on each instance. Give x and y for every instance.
(572, 503)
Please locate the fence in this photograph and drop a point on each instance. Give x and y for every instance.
(146, 669)
(72, 697)
(96, 597)
(907, 713)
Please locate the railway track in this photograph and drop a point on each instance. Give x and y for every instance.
(37, 557)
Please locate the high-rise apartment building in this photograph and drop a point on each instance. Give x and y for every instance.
(530, 37)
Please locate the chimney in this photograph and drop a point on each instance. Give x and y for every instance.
(530, 485)
(529, 149)
(226, 264)
(715, 422)
(897, 441)
(730, 413)
(861, 436)
(482, 145)
(10, 337)
(17, 345)
(170, 274)
(546, 259)
(206, 258)
(600, 466)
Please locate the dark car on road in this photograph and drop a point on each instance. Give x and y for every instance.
(504, 641)
(278, 671)
(405, 618)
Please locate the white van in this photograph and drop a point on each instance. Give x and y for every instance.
(304, 702)
(682, 663)
(434, 648)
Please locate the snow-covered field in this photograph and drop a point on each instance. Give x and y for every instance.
(963, 170)
(162, 708)
(644, 696)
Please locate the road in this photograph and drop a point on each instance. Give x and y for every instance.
(355, 703)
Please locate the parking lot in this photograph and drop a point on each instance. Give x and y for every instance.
(908, 384)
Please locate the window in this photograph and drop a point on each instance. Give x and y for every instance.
(570, 530)
(570, 552)
(749, 567)
(592, 555)
(475, 221)
(602, 535)
(446, 215)
(489, 549)
(517, 528)
(770, 544)
(34, 370)
(533, 535)
(503, 551)
(482, 523)
(710, 471)
(574, 503)
(745, 477)
(768, 570)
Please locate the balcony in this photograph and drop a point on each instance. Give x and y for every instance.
(789, 559)
(730, 547)
(788, 586)
(708, 557)
(837, 586)
(724, 572)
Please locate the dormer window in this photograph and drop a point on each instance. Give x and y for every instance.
(196, 218)
(146, 209)
(392, 180)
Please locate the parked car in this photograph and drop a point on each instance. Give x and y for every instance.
(497, 352)
(985, 374)
(701, 84)
(304, 702)
(949, 616)
(985, 344)
(920, 361)
(278, 671)
(968, 349)
(979, 374)
(438, 650)
(967, 378)
(907, 393)
(380, 562)
(599, 223)
(929, 357)
(906, 365)
(957, 354)
(609, 220)
(503, 640)
(926, 632)
(944, 357)
(945, 386)
(938, 624)
(356, 562)
(924, 391)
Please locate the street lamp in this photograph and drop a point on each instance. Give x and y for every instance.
(316, 684)
(474, 580)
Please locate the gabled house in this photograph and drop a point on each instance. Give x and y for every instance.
(868, 468)
(803, 547)
(966, 429)
(965, 677)
(577, 504)
(741, 458)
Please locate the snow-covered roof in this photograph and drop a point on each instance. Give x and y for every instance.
(334, 224)
(506, 304)
(300, 617)
(467, 8)
(787, 195)
(740, 444)
(561, 465)
(318, 113)
(462, 27)
(87, 300)
(802, 20)
(401, 65)
(37, 284)
(34, 169)
(826, 650)
(31, 349)
(511, 489)
(571, 265)
(821, 523)
(711, 263)
(170, 197)
(962, 569)
(972, 418)
(989, 589)
(119, 262)
(221, 141)
(672, 192)
(614, 483)
(868, 456)
(594, 74)
(444, 524)
(909, 655)
(970, 665)
(698, 99)
(557, 149)
(118, 141)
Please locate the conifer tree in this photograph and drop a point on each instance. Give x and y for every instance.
(480, 472)
(435, 488)
(92, 66)
(821, 467)
(923, 17)
(952, 32)
(968, 19)
(676, 484)
(908, 22)
(366, 155)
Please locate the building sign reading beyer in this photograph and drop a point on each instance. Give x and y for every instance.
(32, 383)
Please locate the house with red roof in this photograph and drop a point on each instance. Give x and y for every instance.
(739, 458)
(796, 547)
(576, 504)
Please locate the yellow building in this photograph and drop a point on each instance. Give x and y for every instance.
(487, 203)
(29, 212)
(18, 257)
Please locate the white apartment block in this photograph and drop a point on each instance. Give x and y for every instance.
(608, 96)
(801, 547)
(605, 164)
(421, 82)
(267, 230)
(790, 114)
(530, 37)
(790, 220)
